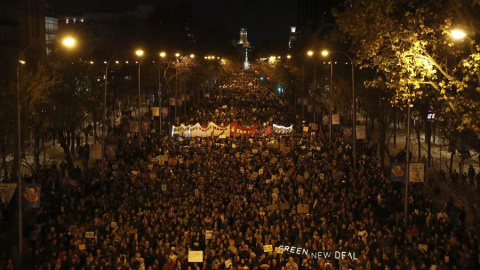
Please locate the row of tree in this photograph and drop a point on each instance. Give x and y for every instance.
(404, 55)
(61, 95)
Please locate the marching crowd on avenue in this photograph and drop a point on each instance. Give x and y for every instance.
(234, 197)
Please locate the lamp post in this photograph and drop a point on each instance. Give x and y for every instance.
(162, 55)
(407, 145)
(104, 130)
(325, 53)
(139, 53)
(354, 112)
(68, 42)
(177, 55)
(310, 54)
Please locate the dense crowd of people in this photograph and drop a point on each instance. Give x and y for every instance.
(232, 197)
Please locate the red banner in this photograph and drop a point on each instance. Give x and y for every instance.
(263, 132)
(238, 130)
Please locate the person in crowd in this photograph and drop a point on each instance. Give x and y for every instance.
(171, 196)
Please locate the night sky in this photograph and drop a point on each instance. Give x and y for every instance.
(265, 19)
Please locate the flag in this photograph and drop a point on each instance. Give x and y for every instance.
(397, 172)
(31, 195)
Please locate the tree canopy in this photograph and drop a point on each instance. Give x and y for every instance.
(408, 43)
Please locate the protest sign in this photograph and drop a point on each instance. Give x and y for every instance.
(302, 208)
(195, 256)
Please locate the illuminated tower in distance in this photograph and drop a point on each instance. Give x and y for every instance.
(246, 45)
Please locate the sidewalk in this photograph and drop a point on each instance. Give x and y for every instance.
(463, 195)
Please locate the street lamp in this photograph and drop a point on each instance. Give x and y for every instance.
(458, 34)
(67, 42)
(354, 117)
(325, 54)
(104, 130)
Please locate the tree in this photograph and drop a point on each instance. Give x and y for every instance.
(408, 42)
(35, 85)
(66, 108)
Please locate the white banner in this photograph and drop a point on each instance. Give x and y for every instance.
(7, 191)
(417, 172)
(220, 130)
(277, 129)
(181, 130)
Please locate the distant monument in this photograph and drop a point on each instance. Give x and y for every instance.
(246, 45)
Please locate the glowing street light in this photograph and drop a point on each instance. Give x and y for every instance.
(139, 52)
(69, 42)
(458, 34)
(192, 55)
(289, 56)
(310, 53)
(325, 53)
(163, 54)
(177, 55)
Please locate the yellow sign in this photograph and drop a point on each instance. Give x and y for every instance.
(267, 248)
